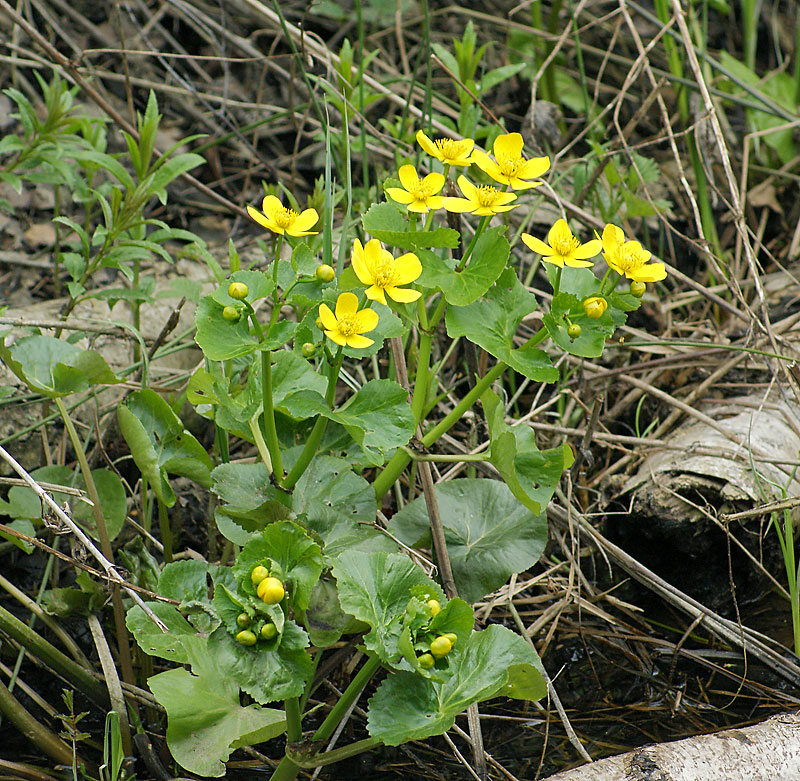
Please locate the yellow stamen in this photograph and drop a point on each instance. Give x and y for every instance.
(565, 245)
(510, 165)
(347, 325)
(285, 217)
(384, 273)
(486, 195)
(447, 147)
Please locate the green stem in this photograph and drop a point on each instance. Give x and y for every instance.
(315, 437)
(481, 225)
(270, 431)
(261, 445)
(446, 458)
(400, 460)
(166, 529)
(294, 731)
(288, 769)
(338, 754)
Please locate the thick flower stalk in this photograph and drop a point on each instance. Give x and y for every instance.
(447, 150)
(562, 248)
(629, 258)
(482, 200)
(383, 273)
(347, 324)
(280, 219)
(509, 167)
(417, 195)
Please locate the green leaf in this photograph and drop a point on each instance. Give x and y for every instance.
(23, 503)
(492, 663)
(339, 506)
(259, 285)
(205, 720)
(160, 445)
(175, 644)
(169, 171)
(384, 222)
(298, 556)
(489, 534)
(532, 474)
(464, 287)
(325, 620)
(24, 527)
(54, 367)
(249, 501)
(492, 322)
(376, 588)
(218, 338)
(378, 417)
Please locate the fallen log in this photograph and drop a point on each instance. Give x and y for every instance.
(769, 751)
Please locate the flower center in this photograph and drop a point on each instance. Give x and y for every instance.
(510, 165)
(420, 191)
(448, 147)
(284, 217)
(347, 325)
(383, 273)
(629, 258)
(566, 245)
(486, 195)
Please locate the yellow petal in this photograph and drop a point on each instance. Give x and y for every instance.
(458, 205)
(652, 272)
(419, 207)
(366, 320)
(468, 188)
(534, 167)
(486, 164)
(636, 247)
(328, 320)
(503, 198)
(375, 255)
(375, 293)
(407, 268)
(588, 250)
(515, 183)
(260, 218)
(408, 176)
(559, 232)
(401, 196)
(556, 260)
(537, 245)
(428, 146)
(612, 235)
(346, 304)
(359, 342)
(270, 206)
(575, 263)
(335, 336)
(433, 182)
(403, 295)
(306, 220)
(435, 202)
(359, 266)
(508, 145)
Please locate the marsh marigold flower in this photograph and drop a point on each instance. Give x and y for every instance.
(629, 258)
(447, 150)
(276, 217)
(482, 200)
(378, 268)
(347, 324)
(562, 248)
(509, 166)
(595, 307)
(419, 195)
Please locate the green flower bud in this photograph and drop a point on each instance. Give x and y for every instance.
(271, 590)
(426, 661)
(246, 637)
(308, 350)
(232, 314)
(243, 620)
(269, 631)
(238, 290)
(595, 307)
(574, 331)
(441, 646)
(638, 288)
(258, 574)
(325, 273)
(435, 607)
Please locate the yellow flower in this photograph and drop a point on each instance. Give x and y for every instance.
(419, 195)
(281, 219)
(629, 258)
(347, 325)
(376, 267)
(482, 200)
(564, 249)
(509, 166)
(447, 150)
(595, 307)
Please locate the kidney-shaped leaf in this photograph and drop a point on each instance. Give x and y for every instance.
(160, 445)
(492, 663)
(489, 534)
